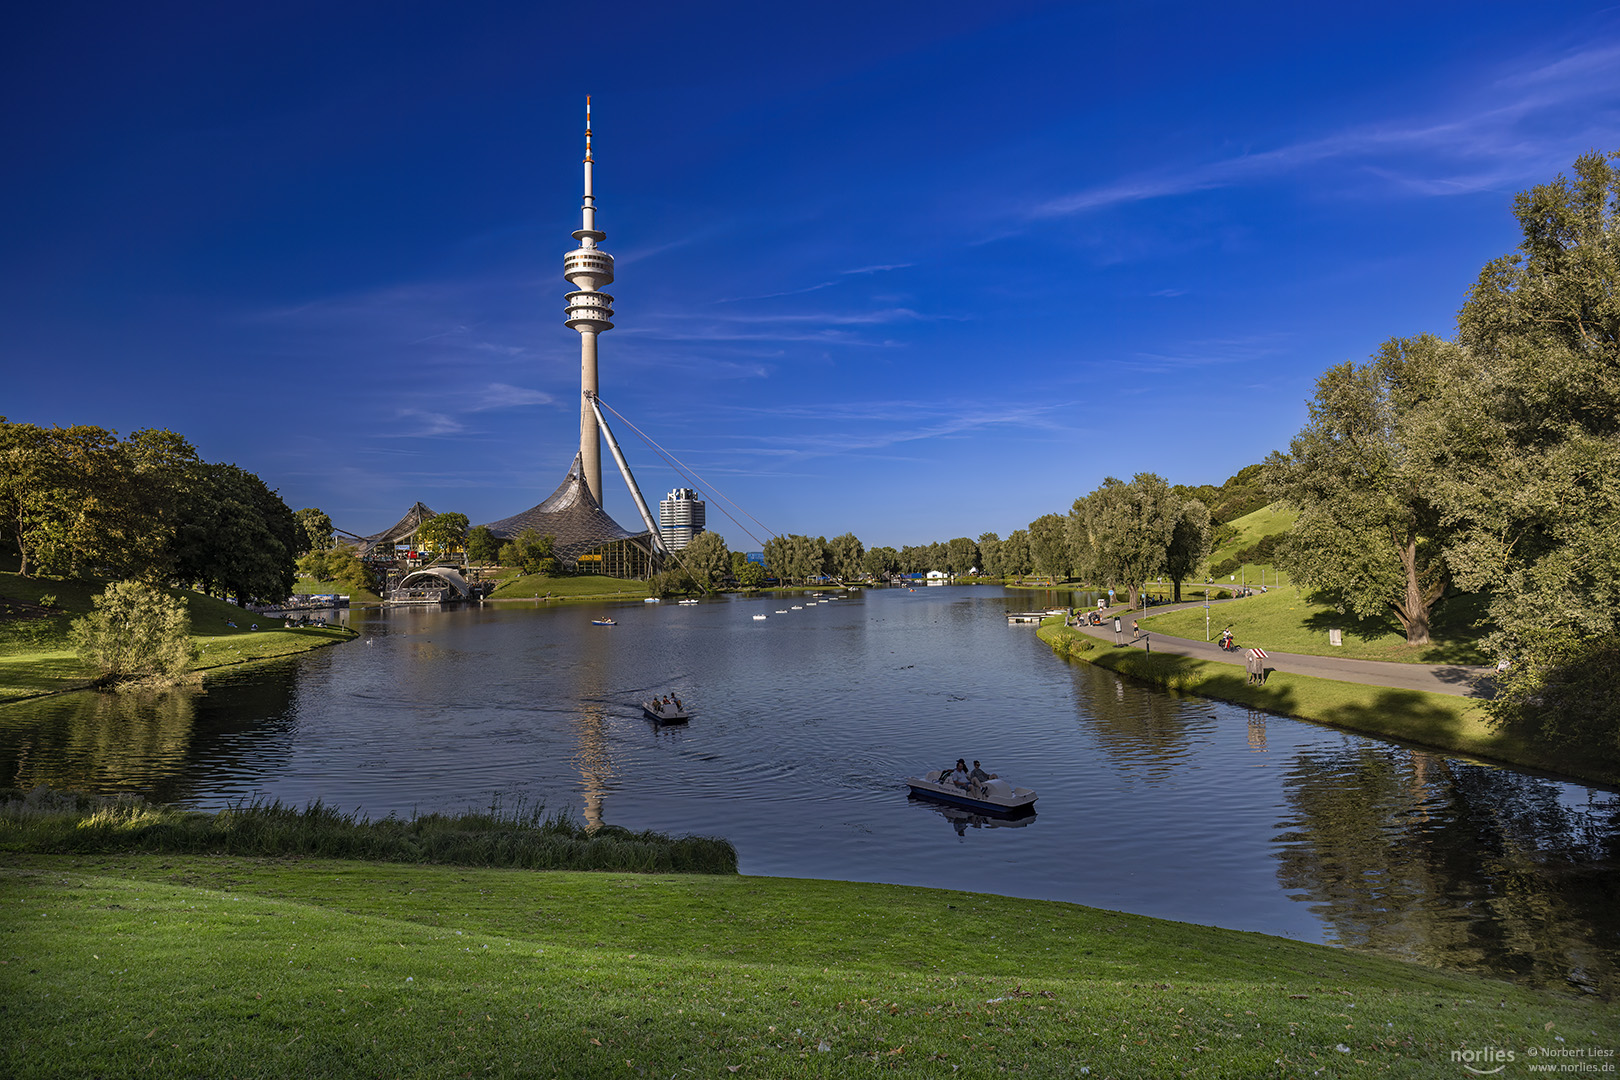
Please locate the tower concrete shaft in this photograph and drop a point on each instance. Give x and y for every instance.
(590, 311)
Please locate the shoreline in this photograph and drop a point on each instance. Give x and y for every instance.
(1417, 718)
(336, 635)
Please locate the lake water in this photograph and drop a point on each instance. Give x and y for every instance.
(804, 727)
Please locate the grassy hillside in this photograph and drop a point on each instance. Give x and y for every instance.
(171, 965)
(1251, 528)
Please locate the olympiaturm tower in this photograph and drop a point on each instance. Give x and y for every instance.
(588, 268)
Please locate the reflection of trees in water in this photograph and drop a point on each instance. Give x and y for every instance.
(1138, 728)
(163, 745)
(1456, 864)
(98, 741)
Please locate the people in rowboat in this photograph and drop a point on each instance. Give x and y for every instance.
(960, 776)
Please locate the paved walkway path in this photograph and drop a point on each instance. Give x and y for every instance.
(1461, 680)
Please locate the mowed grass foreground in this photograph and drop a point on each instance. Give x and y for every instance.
(131, 965)
(120, 957)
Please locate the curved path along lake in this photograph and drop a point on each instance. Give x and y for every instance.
(805, 725)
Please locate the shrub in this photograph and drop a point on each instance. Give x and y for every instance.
(135, 632)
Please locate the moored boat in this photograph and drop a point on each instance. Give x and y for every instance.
(997, 796)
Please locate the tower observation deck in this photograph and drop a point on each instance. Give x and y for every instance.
(590, 311)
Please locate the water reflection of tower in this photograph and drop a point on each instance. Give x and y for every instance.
(1257, 731)
(592, 759)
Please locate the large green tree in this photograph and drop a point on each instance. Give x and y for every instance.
(706, 558)
(66, 498)
(880, 562)
(962, 555)
(990, 555)
(1526, 453)
(1049, 546)
(1188, 551)
(1128, 529)
(1370, 532)
(237, 537)
(847, 552)
(317, 529)
(443, 533)
(1528, 444)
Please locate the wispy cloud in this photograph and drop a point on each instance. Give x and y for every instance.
(1498, 140)
(860, 271)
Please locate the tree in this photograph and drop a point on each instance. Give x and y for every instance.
(65, 497)
(530, 552)
(990, 555)
(776, 557)
(163, 472)
(1369, 532)
(1129, 528)
(750, 575)
(706, 558)
(442, 534)
(135, 631)
(806, 557)
(1526, 453)
(881, 562)
(962, 555)
(236, 537)
(1189, 544)
(1527, 448)
(483, 546)
(1049, 546)
(846, 551)
(1015, 557)
(1077, 533)
(316, 527)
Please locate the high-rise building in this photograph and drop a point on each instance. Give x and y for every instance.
(680, 517)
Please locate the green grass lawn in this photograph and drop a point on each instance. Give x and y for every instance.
(128, 965)
(515, 586)
(35, 657)
(1287, 620)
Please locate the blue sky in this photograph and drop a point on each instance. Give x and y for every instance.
(913, 271)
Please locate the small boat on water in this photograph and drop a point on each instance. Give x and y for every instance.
(649, 600)
(759, 618)
(996, 796)
(686, 601)
(604, 622)
(658, 712)
(798, 607)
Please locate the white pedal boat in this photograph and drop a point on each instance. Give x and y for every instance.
(997, 796)
(664, 714)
